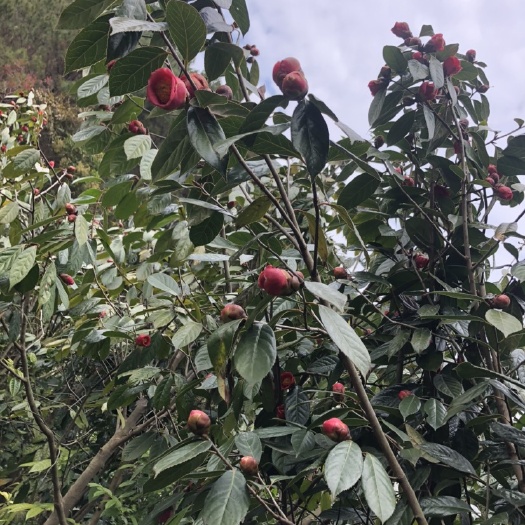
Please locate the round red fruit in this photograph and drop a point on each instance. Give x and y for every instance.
(199, 422)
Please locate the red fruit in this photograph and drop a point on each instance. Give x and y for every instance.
(339, 391)
(501, 301)
(419, 57)
(225, 91)
(274, 281)
(51, 164)
(25, 129)
(385, 72)
(67, 279)
(280, 412)
(491, 180)
(285, 67)
(404, 393)
(199, 81)
(143, 340)
(287, 380)
(379, 141)
(164, 516)
(427, 91)
(136, 126)
(249, 465)
(71, 169)
(336, 430)
(375, 86)
(483, 88)
(71, 218)
(412, 41)
(451, 66)
(3, 148)
(294, 86)
(340, 273)
(503, 192)
(493, 172)
(110, 64)
(199, 423)
(165, 90)
(421, 261)
(254, 52)
(409, 181)
(232, 312)
(70, 208)
(401, 30)
(471, 55)
(436, 43)
(36, 192)
(231, 204)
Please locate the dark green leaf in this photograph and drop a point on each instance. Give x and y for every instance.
(377, 488)
(443, 506)
(343, 467)
(249, 444)
(186, 28)
(181, 455)
(252, 213)
(204, 232)
(395, 59)
(297, 406)
(310, 136)
(81, 12)
(358, 190)
(402, 126)
(448, 456)
(239, 13)
(217, 57)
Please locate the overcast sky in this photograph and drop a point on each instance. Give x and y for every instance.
(339, 44)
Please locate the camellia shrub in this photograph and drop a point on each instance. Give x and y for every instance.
(249, 320)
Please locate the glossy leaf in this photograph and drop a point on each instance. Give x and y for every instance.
(343, 467)
(186, 28)
(377, 488)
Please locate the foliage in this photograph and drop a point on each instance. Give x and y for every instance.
(112, 284)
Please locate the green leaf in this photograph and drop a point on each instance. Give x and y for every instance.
(89, 46)
(255, 353)
(302, 441)
(436, 72)
(138, 446)
(81, 12)
(310, 136)
(122, 24)
(436, 413)
(132, 72)
(410, 405)
(218, 56)
(401, 128)
(430, 120)
(162, 397)
(395, 59)
(344, 336)
(186, 334)
(239, 13)
(81, 230)
(252, 213)
(204, 131)
(448, 457)
(88, 133)
(357, 191)
(204, 232)
(249, 444)
(25, 161)
(137, 146)
(443, 506)
(165, 283)
(181, 455)
(9, 212)
(297, 406)
(418, 70)
(21, 266)
(343, 467)
(328, 293)
(258, 116)
(377, 488)
(227, 503)
(186, 27)
(448, 385)
(421, 339)
(376, 108)
(504, 322)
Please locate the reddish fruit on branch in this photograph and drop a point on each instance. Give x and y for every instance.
(491, 180)
(67, 279)
(165, 90)
(379, 141)
(199, 81)
(483, 88)
(375, 86)
(409, 181)
(401, 30)
(285, 67)
(279, 282)
(336, 430)
(339, 391)
(231, 204)
(417, 55)
(295, 86)
(493, 172)
(427, 91)
(25, 129)
(254, 51)
(199, 422)
(136, 126)
(232, 312)
(404, 393)
(412, 41)
(71, 218)
(421, 261)
(470, 55)
(340, 273)
(501, 301)
(143, 340)
(249, 465)
(435, 44)
(287, 380)
(451, 66)
(225, 91)
(110, 64)
(503, 192)
(36, 192)
(3, 148)
(51, 163)
(70, 208)
(280, 412)
(71, 169)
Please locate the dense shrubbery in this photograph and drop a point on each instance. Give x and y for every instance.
(245, 321)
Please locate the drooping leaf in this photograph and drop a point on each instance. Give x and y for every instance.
(310, 136)
(344, 336)
(377, 488)
(443, 506)
(436, 413)
(22, 265)
(448, 456)
(165, 282)
(297, 406)
(343, 467)
(186, 28)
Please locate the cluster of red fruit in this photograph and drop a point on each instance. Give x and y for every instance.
(143, 340)
(253, 50)
(71, 212)
(279, 282)
(136, 127)
(289, 76)
(167, 91)
(500, 190)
